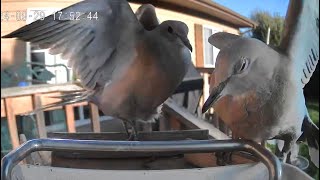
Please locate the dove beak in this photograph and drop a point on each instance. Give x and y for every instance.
(186, 42)
(215, 95)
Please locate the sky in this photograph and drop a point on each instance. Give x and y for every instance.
(245, 7)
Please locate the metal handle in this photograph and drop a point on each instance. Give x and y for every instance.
(186, 146)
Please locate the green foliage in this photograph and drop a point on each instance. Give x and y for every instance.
(313, 109)
(265, 20)
(6, 145)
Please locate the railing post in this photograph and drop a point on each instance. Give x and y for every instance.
(205, 86)
(70, 119)
(164, 122)
(39, 116)
(95, 119)
(174, 123)
(12, 123)
(3, 108)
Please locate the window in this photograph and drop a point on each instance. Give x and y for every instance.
(210, 52)
(52, 63)
(39, 58)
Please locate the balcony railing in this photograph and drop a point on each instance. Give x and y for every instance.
(20, 100)
(17, 101)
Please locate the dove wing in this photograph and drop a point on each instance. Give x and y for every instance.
(87, 44)
(301, 38)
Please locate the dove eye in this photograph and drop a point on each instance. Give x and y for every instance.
(170, 30)
(244, 65)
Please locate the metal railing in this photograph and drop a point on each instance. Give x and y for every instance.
(186, 146)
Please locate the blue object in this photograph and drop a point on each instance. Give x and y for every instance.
(22, 84)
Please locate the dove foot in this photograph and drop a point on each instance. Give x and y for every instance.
(133, 135)
(281, 157)
(224, 158)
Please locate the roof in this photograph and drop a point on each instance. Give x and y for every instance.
(203, 8)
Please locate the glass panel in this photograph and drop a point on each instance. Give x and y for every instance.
(54, 69)
(208, 48)
(27, 125)
(6, 145)
(37, 57)
(56, 121)
(215, 50)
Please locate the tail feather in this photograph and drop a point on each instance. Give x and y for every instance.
(71, 97)
(67, 98)
(68, 95)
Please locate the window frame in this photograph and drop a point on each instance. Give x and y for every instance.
(214, 49)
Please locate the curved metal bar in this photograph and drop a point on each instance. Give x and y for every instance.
(186, 146)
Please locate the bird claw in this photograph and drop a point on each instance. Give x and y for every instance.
(223, 158)
(282, 157)
(132, 137)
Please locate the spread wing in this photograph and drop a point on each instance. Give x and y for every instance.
(87, 43)
(301, 37)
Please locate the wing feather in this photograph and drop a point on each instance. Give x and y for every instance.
(301, 37)
(87, 44)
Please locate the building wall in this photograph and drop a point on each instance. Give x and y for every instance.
(13, 51)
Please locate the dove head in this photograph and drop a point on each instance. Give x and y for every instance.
(175, 31)
(242, 65)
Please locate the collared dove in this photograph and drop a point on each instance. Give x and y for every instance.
(258, 90)
(128, 67)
